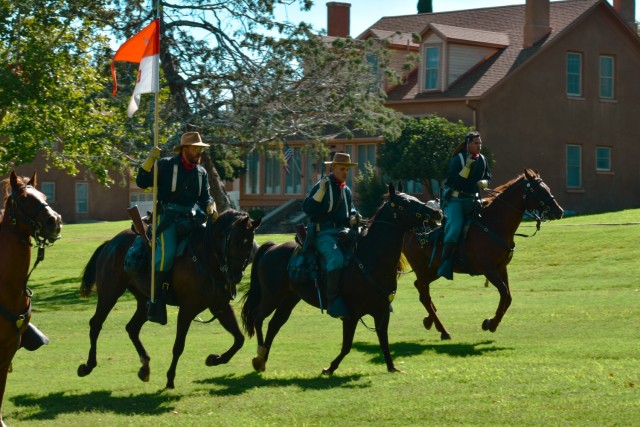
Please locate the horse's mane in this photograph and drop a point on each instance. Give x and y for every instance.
(497, 191)
(228, 217)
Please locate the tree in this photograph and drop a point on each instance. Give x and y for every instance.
(50, 86)
(370, 189)
(423, 151)
(228, 71)
(246, 82)
(425, 6)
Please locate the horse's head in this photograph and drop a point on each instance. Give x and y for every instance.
(537, 197)
(408, 211)
(236, 244)
(29, 212)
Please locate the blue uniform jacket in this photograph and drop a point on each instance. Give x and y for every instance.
(336, 206)
(479, 171)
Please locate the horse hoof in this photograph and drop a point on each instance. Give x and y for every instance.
(258, 364)
(327, 371)
(487, 326)
(427, 322)
(143, 374)
(394, 369)
(84, 370)
(445, 336)
(213, 360)
(170, 385)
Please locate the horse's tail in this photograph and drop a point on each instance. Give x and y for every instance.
(252, 298)
(89, 274)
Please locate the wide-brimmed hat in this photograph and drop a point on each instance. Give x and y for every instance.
(341, 159)
(189, 139)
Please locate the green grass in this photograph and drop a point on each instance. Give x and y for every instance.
(566, 352)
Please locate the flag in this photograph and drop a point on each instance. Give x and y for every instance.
(143, 49)
(288, 154)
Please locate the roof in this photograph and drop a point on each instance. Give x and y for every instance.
(498, 26)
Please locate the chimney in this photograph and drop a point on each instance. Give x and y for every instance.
(338, 19)
(627, 11)
(536, 21)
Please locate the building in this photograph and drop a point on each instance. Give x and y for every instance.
(550, 85)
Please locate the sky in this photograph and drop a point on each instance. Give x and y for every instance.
(366, 12)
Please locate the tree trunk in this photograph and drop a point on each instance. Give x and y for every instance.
(220, 196)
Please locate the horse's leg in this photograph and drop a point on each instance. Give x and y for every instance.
(185, 317)
(278, 319)
(348, 331)
(500, 279)
(431, 318)
(382, 330)
(103, 308)
(228, 320)
(133, 329)
(3, 383)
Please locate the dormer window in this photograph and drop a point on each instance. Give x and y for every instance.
(432, 68)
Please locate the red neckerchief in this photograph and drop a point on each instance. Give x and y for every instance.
(187, 166)
(475, 156)
(341, 185)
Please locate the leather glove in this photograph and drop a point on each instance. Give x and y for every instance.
(467, 167)
(211, 210)
(322, 189)
(355, 220)
(483, 184)
(154, 154)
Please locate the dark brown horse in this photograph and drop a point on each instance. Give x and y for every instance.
(26, 215)
(369, 281)
(489, 245)
(204, 277)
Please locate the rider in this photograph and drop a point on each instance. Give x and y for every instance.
(468, 174)
(330, 208)
(182, 183)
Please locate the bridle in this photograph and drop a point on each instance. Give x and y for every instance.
(398, 213)
(17, 213)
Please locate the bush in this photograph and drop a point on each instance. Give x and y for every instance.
(370, 191)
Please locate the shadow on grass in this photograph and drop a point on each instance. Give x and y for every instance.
(409, 349)
(234, 385)
(55, 404)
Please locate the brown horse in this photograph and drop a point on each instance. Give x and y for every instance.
(26, 215)
(488, 247)
(204, 277)
(369, 281)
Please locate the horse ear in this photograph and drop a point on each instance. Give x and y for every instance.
(392, 190)
(528, 173)
(34, 179)
(13, 179)
(246, 222)
(400, 189)
(256, 223)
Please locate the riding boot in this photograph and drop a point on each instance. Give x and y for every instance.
(157, 309)
(337, 306)
(446, 262)
(33, 338)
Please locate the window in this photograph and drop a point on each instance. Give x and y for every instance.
(413, 187)
(293, 178)
(272, 168)
(574, 168)
(49, 190)
(574, 74)
(432, 68)
(366, 153)
(252, 175)
(82, 197)
(606, 77)
(603, 159)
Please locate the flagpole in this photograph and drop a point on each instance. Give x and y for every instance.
(156, 119)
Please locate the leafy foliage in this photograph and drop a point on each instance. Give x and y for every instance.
(423, 151)
(370, 190)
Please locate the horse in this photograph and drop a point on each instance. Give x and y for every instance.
(488, 246)
(26, 215)
(204, 276)
(369, 281)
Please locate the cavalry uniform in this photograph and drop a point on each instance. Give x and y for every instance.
(468, 173)
(181, 186)
(331, 211)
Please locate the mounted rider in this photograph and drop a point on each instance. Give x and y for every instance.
(331, 211)
(468, 174)
(182, 183)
